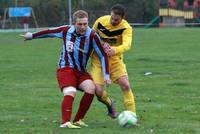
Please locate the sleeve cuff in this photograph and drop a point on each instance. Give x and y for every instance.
(106, 77)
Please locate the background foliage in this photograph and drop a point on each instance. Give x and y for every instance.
(55, 12)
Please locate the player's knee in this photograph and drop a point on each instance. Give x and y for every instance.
(90, 89)
(125, 86)
(124, 83)
(98, 91)
(69, 91)
(87, 86)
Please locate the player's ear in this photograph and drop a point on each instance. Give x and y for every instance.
(73, 22)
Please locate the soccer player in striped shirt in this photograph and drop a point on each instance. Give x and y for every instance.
(79, 40)
(116, 34)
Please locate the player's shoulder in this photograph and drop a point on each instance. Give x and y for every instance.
(91, 32)
(126, 24)
(61, 28)
(103, 18)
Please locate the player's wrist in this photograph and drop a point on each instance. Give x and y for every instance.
(106, 77)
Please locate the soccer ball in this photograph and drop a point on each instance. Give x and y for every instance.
(127, 119)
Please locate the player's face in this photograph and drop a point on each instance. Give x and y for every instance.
(115, 19)
(81, 25)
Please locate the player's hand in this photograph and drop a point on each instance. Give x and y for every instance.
(111, 51)
(106, 47)
(108, 82)
(27, 36)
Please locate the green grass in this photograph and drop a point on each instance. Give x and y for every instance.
(167, 101)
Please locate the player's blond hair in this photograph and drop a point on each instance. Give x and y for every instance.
(79, 14)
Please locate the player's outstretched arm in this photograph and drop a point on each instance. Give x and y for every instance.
(46, 33)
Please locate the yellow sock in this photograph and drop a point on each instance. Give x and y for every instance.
(129, 101)
(105, 99)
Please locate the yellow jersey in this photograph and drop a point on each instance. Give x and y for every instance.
(119, 37)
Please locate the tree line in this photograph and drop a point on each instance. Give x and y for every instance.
(55, 12)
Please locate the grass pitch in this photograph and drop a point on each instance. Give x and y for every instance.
(168, 100)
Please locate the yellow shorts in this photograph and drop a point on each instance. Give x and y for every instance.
(117, 69)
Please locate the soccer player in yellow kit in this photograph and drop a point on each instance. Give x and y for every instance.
(116, 35)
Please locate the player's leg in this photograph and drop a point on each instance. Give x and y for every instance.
(128, 96)
(67, 85)
(87, 85)
(104, 98)
(101, 94)
(120, 76)
(66, 107)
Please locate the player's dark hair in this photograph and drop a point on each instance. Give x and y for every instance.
(79, 14)
(118, 9)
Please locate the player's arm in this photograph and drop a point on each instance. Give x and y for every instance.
(47, 33)
(102, 56)
(126, 42)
